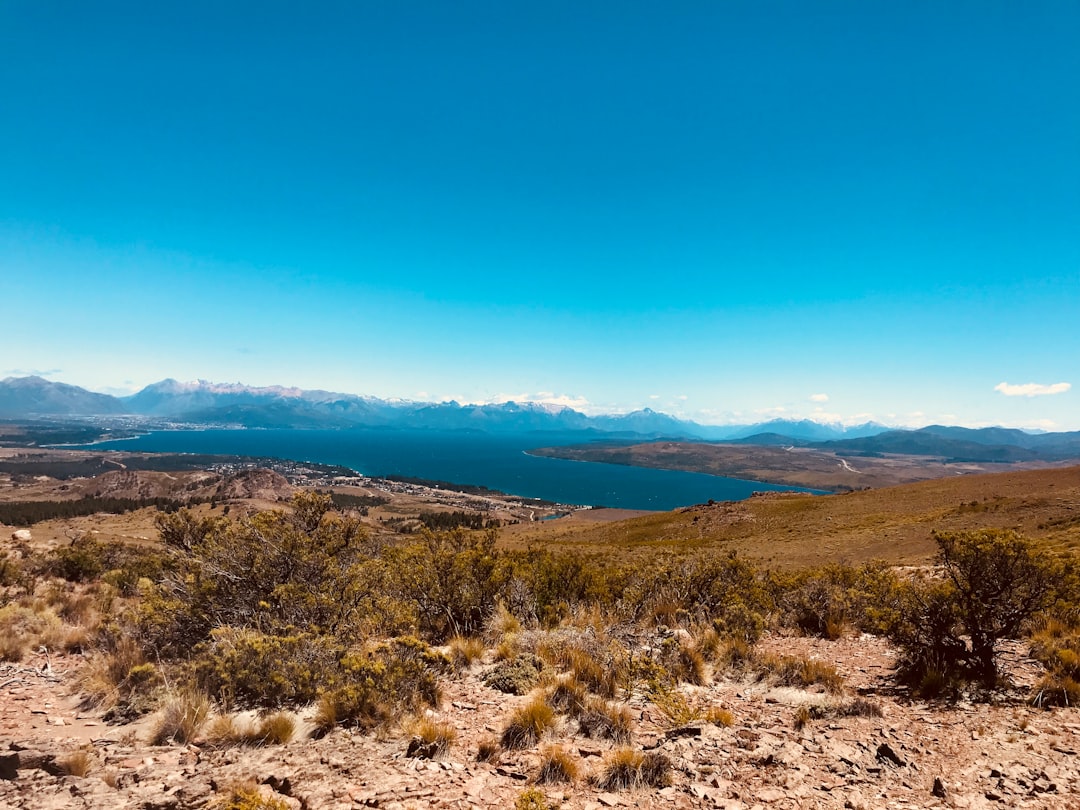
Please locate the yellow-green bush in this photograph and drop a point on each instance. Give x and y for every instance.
(826, 601)
(246, 668)
(389, 679)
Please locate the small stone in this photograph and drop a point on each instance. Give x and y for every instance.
(770, 795)
(939, 788)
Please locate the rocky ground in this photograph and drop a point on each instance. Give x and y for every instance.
(966, 755)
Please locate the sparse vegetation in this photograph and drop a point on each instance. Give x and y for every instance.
(267, 612)
(557, 764)
(528, 724)
(182, 718)
(994, 583)
(606, 720)
(248, 797)
(624, 768)
(431, 739)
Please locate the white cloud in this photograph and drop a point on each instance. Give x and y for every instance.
(541, 397)
(1032, 389)
(31, 372)
(819, 397)
(654, 396)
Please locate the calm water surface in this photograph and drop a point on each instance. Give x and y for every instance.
(495, 461)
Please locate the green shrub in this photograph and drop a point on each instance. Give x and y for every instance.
(246, 668)
(81, 561)
(396, 677)
(994, 583)
(826, 601)
(454, 579)
(517, 676)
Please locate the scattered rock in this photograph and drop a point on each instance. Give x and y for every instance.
(886, 754)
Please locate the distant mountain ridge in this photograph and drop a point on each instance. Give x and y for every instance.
(212, 403)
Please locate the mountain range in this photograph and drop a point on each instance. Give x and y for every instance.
(233, 404)
(278, 406)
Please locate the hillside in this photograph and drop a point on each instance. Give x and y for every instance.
(892, 523)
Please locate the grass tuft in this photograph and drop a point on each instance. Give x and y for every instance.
(625, 768)
(557, 765)
(465, 651)
(76, 763)
(182, 718)
(430, 739)
(528, 724)
(606, 721)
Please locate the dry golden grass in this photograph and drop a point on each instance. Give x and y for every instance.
(793, 531)
(182, 718)
(465, 651)
(557, 764)
(801, 672)
(528, 724)
(487, 750)
(274, 729)
(625, 768)
(430, 736)
(77, 763)
(718, 716)
(607, 721)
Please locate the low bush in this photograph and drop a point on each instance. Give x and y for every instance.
(389, 679)
(857, 707)
(516, 676)
(675, 708)
(532, 799)
(248, 797)
(249, 669)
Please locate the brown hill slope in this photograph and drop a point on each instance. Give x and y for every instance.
(815, 468)
(892, 524)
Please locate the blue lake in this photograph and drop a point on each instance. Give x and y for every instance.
(495, 461)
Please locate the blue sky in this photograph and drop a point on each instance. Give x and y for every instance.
(730, 211)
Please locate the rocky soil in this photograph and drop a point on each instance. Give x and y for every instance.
(966, 755)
